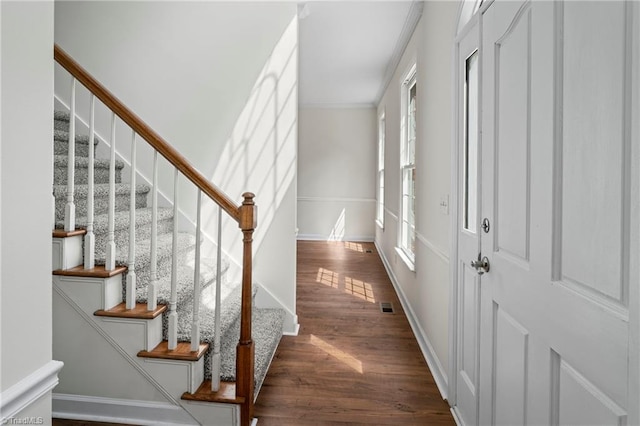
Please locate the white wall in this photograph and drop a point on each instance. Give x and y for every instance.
(26, 180)
(336, 173)
(425, 291)
(218, 80)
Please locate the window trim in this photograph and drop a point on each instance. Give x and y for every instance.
(407, 162)
(380, 171)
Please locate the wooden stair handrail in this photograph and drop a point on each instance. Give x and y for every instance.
(146, 132)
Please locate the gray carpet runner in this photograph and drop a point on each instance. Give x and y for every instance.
(266, 323)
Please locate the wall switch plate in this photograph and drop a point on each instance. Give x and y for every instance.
(444, 204)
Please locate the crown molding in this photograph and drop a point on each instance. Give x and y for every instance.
(410, 24)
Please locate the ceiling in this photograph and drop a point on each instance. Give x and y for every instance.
(349, 49)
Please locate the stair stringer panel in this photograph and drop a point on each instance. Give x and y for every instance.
(95, 365)
(98, 351)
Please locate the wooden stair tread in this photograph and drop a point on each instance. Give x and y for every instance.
(97, 272)
(61, 233)
(139, 311)
(227, 393)
(181, 352)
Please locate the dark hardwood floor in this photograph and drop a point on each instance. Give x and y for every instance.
(351, 363)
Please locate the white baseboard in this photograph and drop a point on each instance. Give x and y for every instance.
(266, 299)
(28, 390)
(294, 331)
(112, 410)
(319, 237)
(456, 417)
(438, 372)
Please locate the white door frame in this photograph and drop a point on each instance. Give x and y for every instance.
(634, 299)
(473, 23)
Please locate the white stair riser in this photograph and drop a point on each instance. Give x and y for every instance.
(226, 414)
(174, 375)
(129, 332)
(66, 252)
(91, 294)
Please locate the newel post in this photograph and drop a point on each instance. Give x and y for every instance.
(245, 349)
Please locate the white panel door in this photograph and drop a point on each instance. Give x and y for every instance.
(469, 227)
(557, 188)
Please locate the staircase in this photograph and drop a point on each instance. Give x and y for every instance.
(114, 353)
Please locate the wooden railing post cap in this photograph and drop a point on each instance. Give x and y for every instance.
(248, 212)
(248, 198)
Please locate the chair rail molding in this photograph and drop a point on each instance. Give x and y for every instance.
(28, 390)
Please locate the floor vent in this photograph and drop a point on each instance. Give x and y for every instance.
(368, 251)
(386, 307)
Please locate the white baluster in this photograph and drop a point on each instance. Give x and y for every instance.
(131, 273)
(195, 323)
(215, 357)
(89, 238)
(152, 292)
(110, 262)
(173, 302)
(70, 208)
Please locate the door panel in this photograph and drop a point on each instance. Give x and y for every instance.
(582, 403)
(512, 359)
(554, 337)
(595, 143)
(469, 322)
(511, 111)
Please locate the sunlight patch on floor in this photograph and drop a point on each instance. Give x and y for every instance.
(338, 354)
(359, 289)
(328, 277)
(354, 246)
(352, 286)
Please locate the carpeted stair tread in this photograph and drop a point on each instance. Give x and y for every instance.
(61, 143)
(231, 302)
(266, 330)
(184, 252)
(120, 219)
(143, 248)
(61, 115)
(121, 226)
(184, 283)
(62, 135)
(100, 190)
(62, 160)
(81, 176)
(101, 198)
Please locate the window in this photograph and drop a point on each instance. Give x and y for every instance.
(408, 169)
(380, 209)
(470, 156)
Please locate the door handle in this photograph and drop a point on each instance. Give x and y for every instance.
(481, 265)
